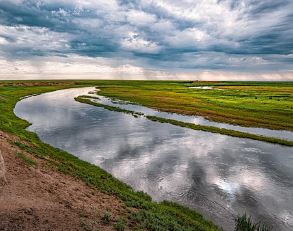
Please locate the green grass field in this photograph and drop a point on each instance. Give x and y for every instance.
(257, 104)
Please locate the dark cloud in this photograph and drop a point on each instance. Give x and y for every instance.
(163, 34)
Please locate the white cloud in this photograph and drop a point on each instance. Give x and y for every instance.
(251, 60)
(60, 12)
(3, 41)
(140, 18)
(75, 66)
(36, 38)
(134, 42)
(219, 20)
(163, 27)
(169, 34)
(72, 64)
(188, 38)
(90, 24)
(84, 4)
(236, 76)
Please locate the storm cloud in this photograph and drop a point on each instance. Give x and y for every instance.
(157, 38)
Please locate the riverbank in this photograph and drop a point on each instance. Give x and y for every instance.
(32, 165)
(223, 131)
(37, 197)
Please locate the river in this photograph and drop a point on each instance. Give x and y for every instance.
(219, 176)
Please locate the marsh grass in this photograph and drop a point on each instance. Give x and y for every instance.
(87, 99)
(245, 223)
(255, 104)
(222, 131)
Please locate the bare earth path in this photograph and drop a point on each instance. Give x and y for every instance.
(36, 197)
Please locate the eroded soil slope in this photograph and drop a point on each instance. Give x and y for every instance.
(34, 196)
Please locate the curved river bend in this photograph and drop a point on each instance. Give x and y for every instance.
(220, 176)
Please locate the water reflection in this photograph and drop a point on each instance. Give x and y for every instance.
(218, 175)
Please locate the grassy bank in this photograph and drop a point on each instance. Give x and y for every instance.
(223, 131)
(88, 100)
(143, 213)
(257, 104)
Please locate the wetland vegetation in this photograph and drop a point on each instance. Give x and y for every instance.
(248, 104)
(183, 97)
(223, 131)
(143, 212)
(256, 104)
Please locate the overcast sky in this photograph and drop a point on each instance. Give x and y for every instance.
(199, 39)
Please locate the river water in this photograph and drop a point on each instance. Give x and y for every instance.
(280, 134)
(218, 175)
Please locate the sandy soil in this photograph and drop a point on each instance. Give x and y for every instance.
(39, 198)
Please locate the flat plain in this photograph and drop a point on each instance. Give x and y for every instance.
(256, 104)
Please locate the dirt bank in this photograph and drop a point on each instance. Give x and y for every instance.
(34, 196)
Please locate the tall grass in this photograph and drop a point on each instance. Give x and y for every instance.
(245, 223)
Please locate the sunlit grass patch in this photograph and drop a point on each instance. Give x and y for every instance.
(257, 104)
